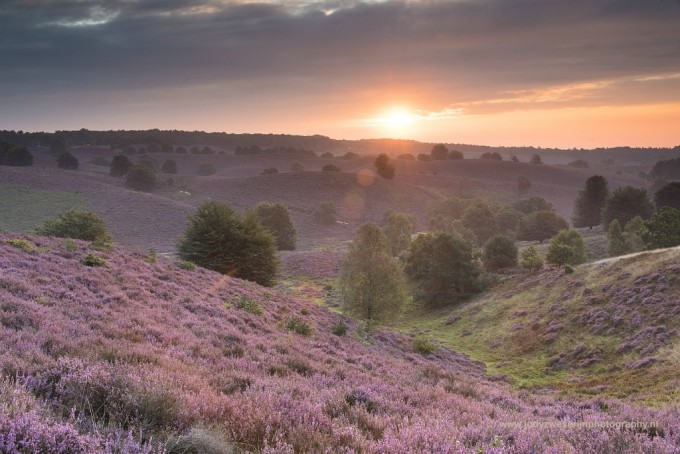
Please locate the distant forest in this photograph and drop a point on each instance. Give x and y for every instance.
(315, 143)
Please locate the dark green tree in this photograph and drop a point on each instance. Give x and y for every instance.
(456, 155)
(668, 196)
(481, 220)
(79, 225)
(384, 167)
(219, 239)
(326, 214)
(17, 156)
(590, 201)
(499, 252)
(169, 167)
(567, 248)
(540, 226)
(141, 177)
(663, 229)
(442, 268)
(275, 217)
(67, 161)
(398, 230)
(626, 203)
(531, 260)
(616, 240)
(120, 165)
(371, 280)
(491, 156)
(439, 152)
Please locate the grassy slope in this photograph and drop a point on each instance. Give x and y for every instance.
(521, 327)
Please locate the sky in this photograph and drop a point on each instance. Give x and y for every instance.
(572, 73)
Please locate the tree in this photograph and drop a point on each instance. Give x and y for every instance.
(330, 168)
(523, 186)
(663, 229)
(169, 167)
(406, 157)
(383, 166)
(371, 280)
(120, 165)
(275, 217)
(617, 244)
(16, 156)
(590, 201)
(481, 220)
(508, 220)
(441, 266)
(499, 252)
(536, 159)
(219, 239)
(668, 196)
(626, 203)
(398, 230)
(531, 260)
(491, 156)
(141, 177)
(439, 152)
(634, 232)
(579, 164)
(666, 170)
(67, 161)
(567, 248)
(532, 204)
(540, 226)
(456, 155)
(206, 169)
(326, 213)
(79, 225)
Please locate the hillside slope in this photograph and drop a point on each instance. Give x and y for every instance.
(119, 358)
(612, 327)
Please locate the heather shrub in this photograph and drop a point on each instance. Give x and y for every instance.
(219, 239)
(275, 217)
(339, 329)
(94, 261)
(499, 252)
(326, 214)
(424, 345)
(299, 326)
(77, 225)
(249, 305)
(30, 434)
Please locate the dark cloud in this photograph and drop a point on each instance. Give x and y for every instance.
(461, 51)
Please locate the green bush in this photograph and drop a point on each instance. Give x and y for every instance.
(249, 305)
(120, 165)
(206, 169)
(275, 217)
(77, 225)
(92, 260)
(299, 326)
(384, 167)
(626, 203)
(141, 177)
(67, 161)
(424, 345)
(185, 265)
(21, 244)
(531, 260)
(499, 252)
(541, 225)
(339, 329)
(567, 248)
(663, 229)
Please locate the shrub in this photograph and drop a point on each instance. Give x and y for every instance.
(92, 260)
(169, 167)
(326, 214)
(456, 155)
(219, 239)
(540, 226)
(270, 171)
(327, 155)
(296, 166)
(275, 217)
(141, 177)
(249, 305)
(442, 267)
(21, 244)
(371, 281)
(491, 156)
(77, 225)
(663, 229)
(626, 203)
(15, 156)
(383, 166)
(424, 345)
(120, 165)
(299, 326)
(567, 248)
(536, 159)
(499, 252)
(424, 157)
(406, 157)
(523, 185)
(67, 161)
(531, 260)
(186, 265)
(206, 169)
(200, 440)
(579, 164)
(330, 168)
(339, 329)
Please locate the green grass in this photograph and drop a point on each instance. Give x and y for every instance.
(23, 208)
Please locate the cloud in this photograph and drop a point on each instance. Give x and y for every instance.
(476, 55)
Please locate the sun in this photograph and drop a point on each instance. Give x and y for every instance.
(398, 118)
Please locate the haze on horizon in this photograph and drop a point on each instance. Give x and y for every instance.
(583, 73)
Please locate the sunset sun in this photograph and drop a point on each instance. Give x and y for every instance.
(398, 118)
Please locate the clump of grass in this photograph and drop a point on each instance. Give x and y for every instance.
(249, 305)
(339, 329)
(187, 266)
(299, 326)
(424, 345)
(70, 245)
(21, 244)
(152, 257)
(93, 260)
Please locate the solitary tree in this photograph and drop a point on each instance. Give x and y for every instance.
(590, 201)
(383, 166)
(219, 239)
(531, 260)
(567, 248)
(668, 196)
(169, 167)
(536, 159)
(523, 186)
(67, 161)
(141, 178)
(371, 281)
(626, 203)
(398, 230)
(120, 165)
(79, 225)
(442, 267)
(663, 229)
(275, 217)
(499, 252)
(439, 152)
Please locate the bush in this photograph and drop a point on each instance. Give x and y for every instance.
(523, 185)
(187, 266)
(531, 260)
(326, 214)
(626, 203)
(424, 345)
(442, 267)
(296, 166)
(169, 167)
(439, 152)
(12, 155)
(663, 229)
(398, 232)
(200, 440)
(77, 225)
(141, 177)
(67, 161)
(371, 281)
(617, 244)
(384, 167)
(206, 169)
(275, 217)
(532, 205)
(499, 252)
(299, 326)
(219, 239)
(21, 244)
(491, 156)
(120, 165)
(540, 226)
(249, 305)
(567, 248)
(406, 157)
(270, 171)
(339, 329)
(92, 260)
(330, 168)
(579, 164)
(536, 159)
(481, 220)
(456, 155)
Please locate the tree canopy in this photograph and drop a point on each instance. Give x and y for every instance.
(626, 203)
(590, 201)
(275, 217)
